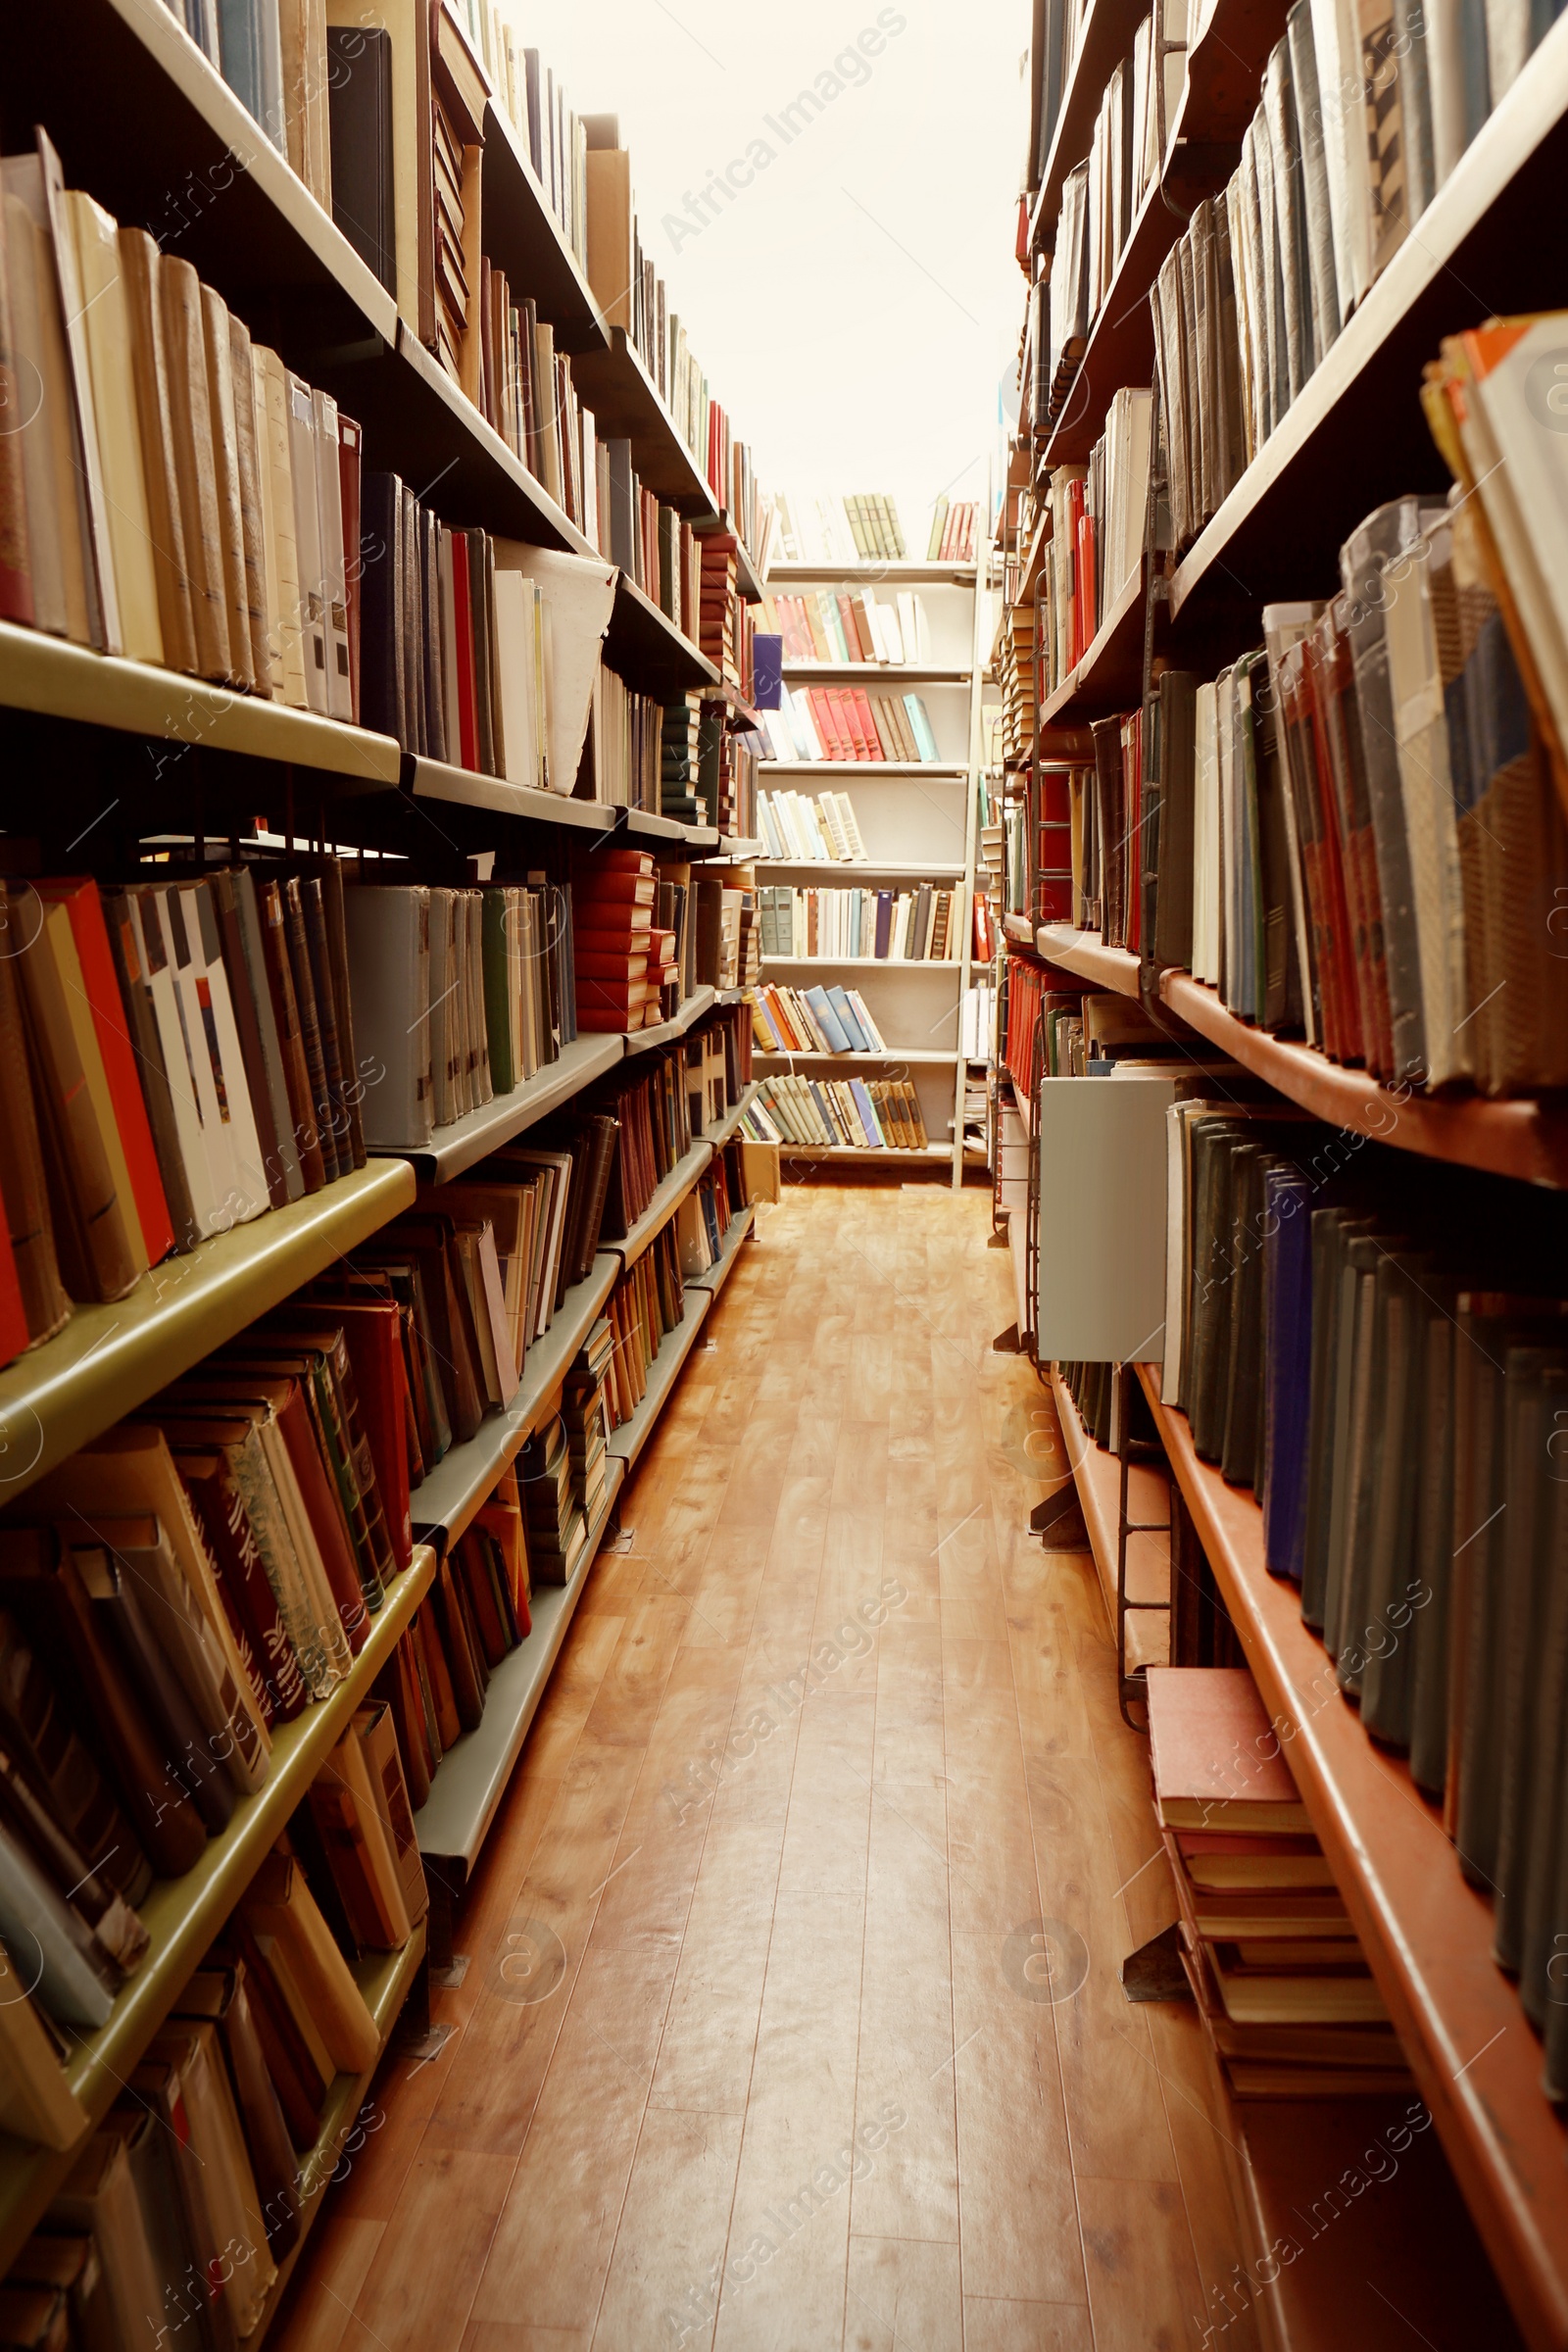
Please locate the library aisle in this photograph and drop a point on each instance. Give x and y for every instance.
(691, 1989)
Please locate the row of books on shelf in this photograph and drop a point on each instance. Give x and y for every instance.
(1099, 514)
(977, 1022)
(1287, 2000)
(1266, 273)
(678, 759)
(923, 926)
(829, 1113)
(1375, 1347)
(796, 826)
(1362, 837)
(705, 1217)
(386, 126)
(853, 625)
(814, 1020)
(727, 627)
(1101, 199)
(864, 527)
(845, 722)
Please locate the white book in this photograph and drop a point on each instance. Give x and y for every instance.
(158, 970)
(203, 1064)
(251, 1195)
(847, 817)
(515, 622)
(1519, 457)
(307, 550)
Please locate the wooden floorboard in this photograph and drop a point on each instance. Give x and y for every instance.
(832, 1808)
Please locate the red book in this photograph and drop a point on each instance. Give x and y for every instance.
(610, 965)
(865, 725)
(78, 895)
(615, 889)
(613, 862)
(468, 714)
(1086, 622)
(372, 1332)
(823, 721)
(13, 1319)
(847, 711)
(602, 925)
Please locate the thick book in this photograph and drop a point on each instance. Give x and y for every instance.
(1216, 1757)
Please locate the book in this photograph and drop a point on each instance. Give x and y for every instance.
(1214, 1757)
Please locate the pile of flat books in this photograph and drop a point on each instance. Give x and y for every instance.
(557, 1533)
(583, 1409)
(1273, 1959)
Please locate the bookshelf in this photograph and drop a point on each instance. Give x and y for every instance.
(916, 820)
(1354, 436)
(183, 1915)
(1427, 1935)
(146, 124)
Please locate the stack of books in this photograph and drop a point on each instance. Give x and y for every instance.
(726, 773)
(582, 1408)
(853, 625)
(557, 1531)
(120, 1145)
(877, 1114)
(720, 607)
(844, 722)
(647, 1303)
(923, 925)
(680, 756)
(796, 826)
(1016, 670)
(814, 1020)
(620, 959)
(1274, 1962)
(464, 994)
(625, 741)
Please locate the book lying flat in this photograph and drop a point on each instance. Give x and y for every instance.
(1216, 1757)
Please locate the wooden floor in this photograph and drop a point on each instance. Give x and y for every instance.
(801, 2082)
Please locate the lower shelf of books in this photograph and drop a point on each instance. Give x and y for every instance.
(1427, 1935)
(385, 1979)
(443, 1504)
(473, 1775)
(713, 1278)
(182, 1916)
(627, 1441)
(109, 1360)
(664, 1202)
(1096, 1474)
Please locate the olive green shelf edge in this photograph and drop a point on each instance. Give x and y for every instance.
(183, 1915)
(385, 1979)
(60, 680)
(109, 1360)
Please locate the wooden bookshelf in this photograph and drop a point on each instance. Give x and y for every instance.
(110, 1359)
(1357, 422)
(1427, 1935)
(1084, 953)
(908, 572)
(182, 1916)
(647, 646)
(1523, 1138)
(1104, 38)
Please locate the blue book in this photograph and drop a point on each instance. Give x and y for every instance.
(827, 1020)
(858, 1042)
(869, 1119)
(767, 670)
(922, 726)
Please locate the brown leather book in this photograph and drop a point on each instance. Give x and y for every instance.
(225, 438)
(140, 264)
(97, 1260)
(397, 1685)
(464, 1660)
(39, 1581)
(191, 414)
(223, 1996)
(192, 1776)
(23, 1195)
(290, 2067)
(438, 1680)
(249, 458)
(290, 1038)
(248, 1597)
(338, 1398)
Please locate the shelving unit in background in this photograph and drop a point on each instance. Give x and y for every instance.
(917, 822)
